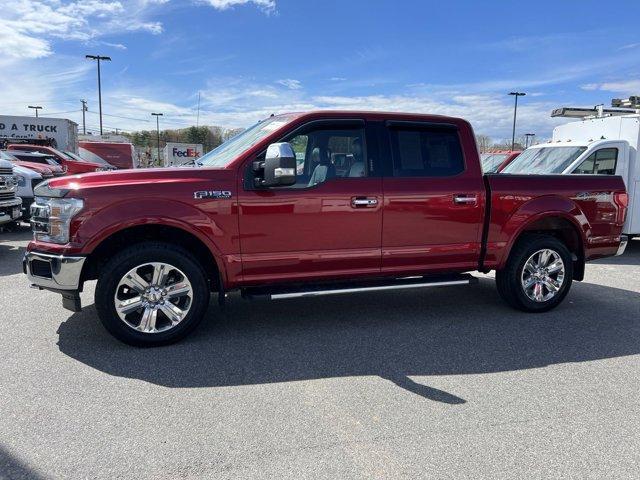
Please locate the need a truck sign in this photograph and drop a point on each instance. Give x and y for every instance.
(61, 132)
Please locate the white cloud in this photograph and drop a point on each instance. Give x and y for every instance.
(268, 6)
(290, 83)
(28, 27)
(631, 87)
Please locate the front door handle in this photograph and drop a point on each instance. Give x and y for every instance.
(465, 199)
(363, 202)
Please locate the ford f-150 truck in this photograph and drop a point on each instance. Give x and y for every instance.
(314, 204)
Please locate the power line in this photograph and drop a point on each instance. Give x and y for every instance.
(119, 116)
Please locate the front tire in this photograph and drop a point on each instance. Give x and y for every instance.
(538, 274)
(151, 294)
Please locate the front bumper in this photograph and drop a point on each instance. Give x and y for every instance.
(10, 210)
(53, 272)
(623, 244)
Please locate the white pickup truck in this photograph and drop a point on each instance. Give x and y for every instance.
(10, 204)
(604, 145)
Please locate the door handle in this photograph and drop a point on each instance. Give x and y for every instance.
(465, 199)
(366, 202)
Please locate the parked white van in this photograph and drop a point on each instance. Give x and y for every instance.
(605, 146)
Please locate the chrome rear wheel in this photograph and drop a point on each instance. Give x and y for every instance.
(543, 275)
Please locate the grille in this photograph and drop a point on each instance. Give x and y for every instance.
(6, 171)
(7, 195)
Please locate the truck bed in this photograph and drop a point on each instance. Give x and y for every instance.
(584, 206)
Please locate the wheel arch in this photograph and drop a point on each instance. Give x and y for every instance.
(561, 225)
(133, 234)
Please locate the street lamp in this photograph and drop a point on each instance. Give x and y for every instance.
(36, 108)
(158, 115)
(98, 58)
(515, 113)
(527, 137)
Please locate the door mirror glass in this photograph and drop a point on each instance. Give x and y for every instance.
(278, 168)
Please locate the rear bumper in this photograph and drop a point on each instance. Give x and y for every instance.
(623, 244)
(53, 272)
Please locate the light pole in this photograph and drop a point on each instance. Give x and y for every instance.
(98, 58)
(158, 115)
(36, 108)
(515, 113)
(527, 137)
(84, 109)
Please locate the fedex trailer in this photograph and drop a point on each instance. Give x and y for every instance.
(181, 153)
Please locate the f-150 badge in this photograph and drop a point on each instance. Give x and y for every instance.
(212, 194)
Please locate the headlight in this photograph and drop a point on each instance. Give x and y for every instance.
(51, 218)
(21, 180)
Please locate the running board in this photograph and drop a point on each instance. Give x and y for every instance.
(337, 288)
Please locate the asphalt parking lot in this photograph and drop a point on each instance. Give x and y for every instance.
(444, 383)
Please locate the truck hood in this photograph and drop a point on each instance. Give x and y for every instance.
(149, 179)
(36, 167)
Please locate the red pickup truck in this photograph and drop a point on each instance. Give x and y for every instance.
(71, 165)
(314, 204)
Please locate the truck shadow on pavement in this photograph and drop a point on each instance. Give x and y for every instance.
(444, 331)
(10, 262)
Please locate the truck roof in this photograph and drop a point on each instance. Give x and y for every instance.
(371, 115)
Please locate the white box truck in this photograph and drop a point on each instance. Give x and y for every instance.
(607, 143)
(59, 133)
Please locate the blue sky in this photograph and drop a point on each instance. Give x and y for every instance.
(251, 58)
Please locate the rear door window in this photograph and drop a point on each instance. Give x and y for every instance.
(426, 152)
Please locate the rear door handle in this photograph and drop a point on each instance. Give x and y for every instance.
(465, 199)
(363, 202)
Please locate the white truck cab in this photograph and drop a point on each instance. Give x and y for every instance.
(601, 146)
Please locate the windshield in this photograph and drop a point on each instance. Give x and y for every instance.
(222, 155)
(546, 160)
(490, 163)
(6, 156)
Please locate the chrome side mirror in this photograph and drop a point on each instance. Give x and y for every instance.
(278, 168)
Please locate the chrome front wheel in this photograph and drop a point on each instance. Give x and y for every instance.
(543, 275)
(153, 297)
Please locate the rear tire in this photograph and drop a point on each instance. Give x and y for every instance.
(538, 274)
(151, 294)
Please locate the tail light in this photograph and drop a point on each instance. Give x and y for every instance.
(622, 202)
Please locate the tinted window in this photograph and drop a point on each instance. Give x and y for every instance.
(600, 162)
(426, 152)
(326, 154)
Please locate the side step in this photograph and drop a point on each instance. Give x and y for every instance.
(336, 288)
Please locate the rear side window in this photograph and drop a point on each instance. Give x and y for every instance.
(600, 162)
(426, 152)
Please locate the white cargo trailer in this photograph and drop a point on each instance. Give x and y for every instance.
(59, 133)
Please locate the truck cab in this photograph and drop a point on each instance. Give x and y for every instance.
(72, 165)
(592, 146)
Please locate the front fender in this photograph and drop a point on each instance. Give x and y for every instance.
(216, 234)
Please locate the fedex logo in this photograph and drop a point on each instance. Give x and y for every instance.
(189, 152)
